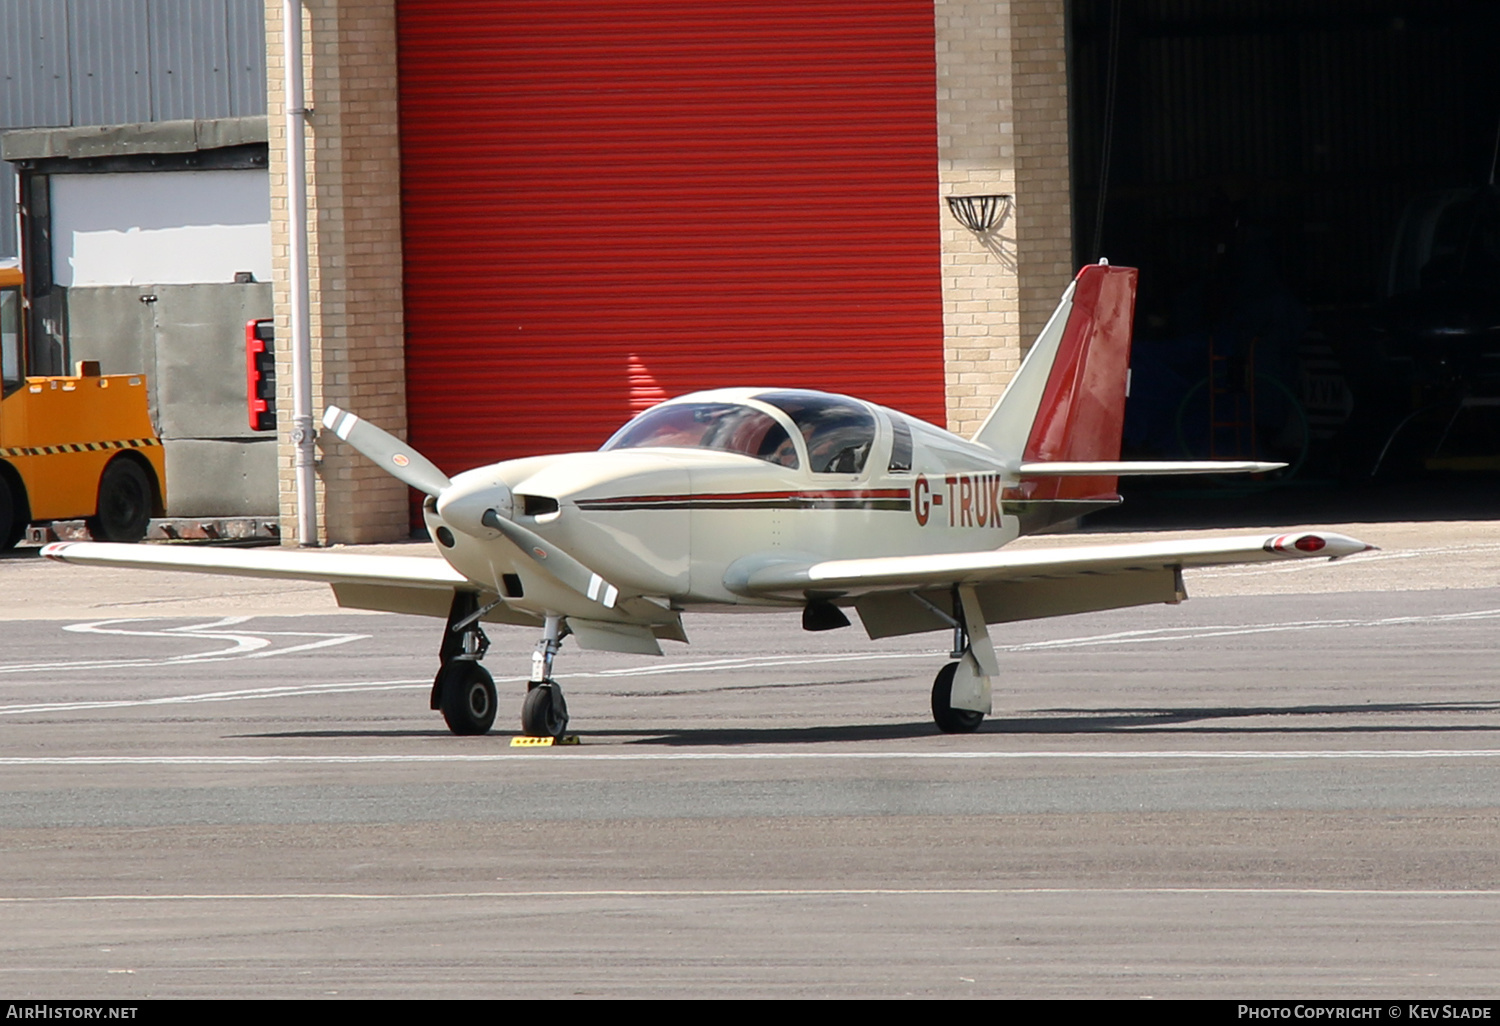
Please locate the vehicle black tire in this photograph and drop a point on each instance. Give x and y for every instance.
(12, 523)
(467, 697)
(544, 714)
(948, 719)
(124, 510)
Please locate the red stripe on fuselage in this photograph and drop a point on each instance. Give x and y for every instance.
(818, 494)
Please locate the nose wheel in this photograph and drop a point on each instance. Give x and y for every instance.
(544, 713)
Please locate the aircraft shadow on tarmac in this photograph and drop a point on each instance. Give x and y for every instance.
(1196, 720)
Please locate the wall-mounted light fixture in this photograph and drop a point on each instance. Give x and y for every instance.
(980, 214)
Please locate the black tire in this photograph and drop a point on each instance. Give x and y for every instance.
(12, 521)
(467, 697)
(544, 713)
(124, 510)
(948, 719)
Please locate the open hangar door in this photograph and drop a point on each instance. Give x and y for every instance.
(1308, 192)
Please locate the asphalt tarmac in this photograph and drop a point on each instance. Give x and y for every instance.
(1287, 787)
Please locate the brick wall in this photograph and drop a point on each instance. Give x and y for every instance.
(1044, 216)
(1002, 128)
(354, 255)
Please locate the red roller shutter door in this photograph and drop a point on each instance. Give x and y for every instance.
(608, 203)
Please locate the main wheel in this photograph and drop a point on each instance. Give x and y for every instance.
(544, 714)
(467, 697)
(124, 510)
(948, 719)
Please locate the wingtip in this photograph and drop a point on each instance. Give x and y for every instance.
(1316, 543)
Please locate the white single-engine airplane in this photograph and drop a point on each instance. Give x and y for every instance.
(776, 498)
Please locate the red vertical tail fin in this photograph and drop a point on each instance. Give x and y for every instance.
(1067, 402)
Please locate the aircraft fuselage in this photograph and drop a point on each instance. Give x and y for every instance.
(670, 522)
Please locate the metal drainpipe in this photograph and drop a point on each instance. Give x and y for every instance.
(303, 431)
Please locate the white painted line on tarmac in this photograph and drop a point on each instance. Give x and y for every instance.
(768, 892)
(580, 752)
(242, 644)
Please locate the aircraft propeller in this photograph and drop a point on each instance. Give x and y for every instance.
(387, 451)
(492, 509)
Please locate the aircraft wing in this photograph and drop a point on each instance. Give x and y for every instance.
(397, 584)
(910, 594)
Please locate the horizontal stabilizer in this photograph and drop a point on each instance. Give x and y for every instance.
(1138, 468)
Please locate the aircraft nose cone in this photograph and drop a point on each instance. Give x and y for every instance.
(464, 505)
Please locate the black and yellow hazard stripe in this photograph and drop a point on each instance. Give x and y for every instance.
(49, 450)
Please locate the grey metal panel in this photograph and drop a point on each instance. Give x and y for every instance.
(200, 357)
(189, 60)
(109, 43)
(101, 62)
(247, 56)
(209, 477)
(33, 63)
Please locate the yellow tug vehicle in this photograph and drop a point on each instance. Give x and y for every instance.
(72, 447)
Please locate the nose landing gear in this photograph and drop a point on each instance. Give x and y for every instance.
(544, 713)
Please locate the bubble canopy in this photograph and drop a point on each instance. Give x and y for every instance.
(727, 427)
(838, 432)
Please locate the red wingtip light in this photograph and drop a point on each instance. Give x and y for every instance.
(1309, 543)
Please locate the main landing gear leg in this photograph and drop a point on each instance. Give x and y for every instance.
(967, 680)
(544, 713)
(463, 689)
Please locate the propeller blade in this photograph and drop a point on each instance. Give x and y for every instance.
(387, 451)
(555, 561)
